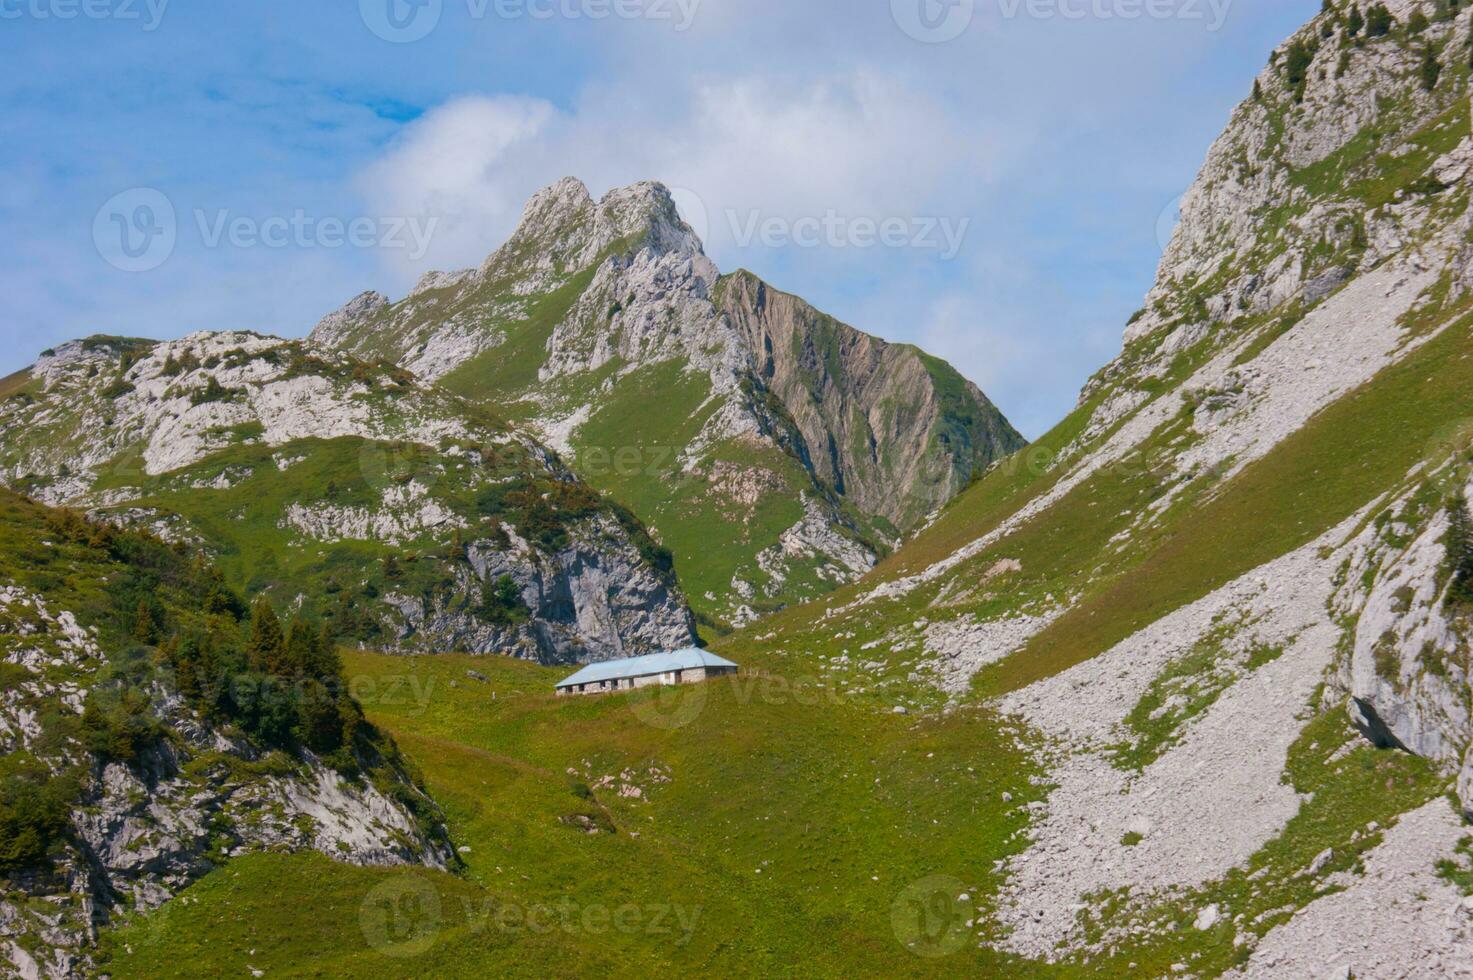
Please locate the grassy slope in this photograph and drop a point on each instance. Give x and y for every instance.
(1347, 455)
(794, 784)
(840, 808)
(630, 445)
(633, 453)
(15, 383)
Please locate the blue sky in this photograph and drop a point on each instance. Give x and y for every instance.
(1048, 144)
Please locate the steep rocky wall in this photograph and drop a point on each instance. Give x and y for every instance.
(894, 431)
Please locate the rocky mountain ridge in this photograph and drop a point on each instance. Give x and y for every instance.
(407, 517)
(775, 450)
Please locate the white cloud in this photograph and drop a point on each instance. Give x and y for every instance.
(458, 164)
(858, 144)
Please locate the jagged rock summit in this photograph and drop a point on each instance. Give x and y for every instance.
(776, 451)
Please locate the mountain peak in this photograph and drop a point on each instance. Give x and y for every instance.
(563, 225)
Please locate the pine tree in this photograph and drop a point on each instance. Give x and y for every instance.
(326, 664)
(266, 648)
(301, 650)
(1431, 70)
(145, 625)
(1296, 68)
(1459, 542)
(1355, 22)
(1379, 21)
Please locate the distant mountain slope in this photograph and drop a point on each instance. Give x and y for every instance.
(895, 431)
(144, 740)
(774, 450)
(399, 513)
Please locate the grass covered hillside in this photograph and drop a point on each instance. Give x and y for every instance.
(399, 514)
(1184, 685)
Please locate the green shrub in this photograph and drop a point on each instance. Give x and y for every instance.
(501, 603)
(118, 726)
(174, 367)
(1431, 70)
(1379, 21)
(1296, 68)
(1459, 542)
(213, 391)
(117, 389)
(34, 808)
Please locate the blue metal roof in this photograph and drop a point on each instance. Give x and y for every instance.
(654, 663)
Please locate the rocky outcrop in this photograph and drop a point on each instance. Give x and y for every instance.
(1236, 596)
(193, 796)
(1406, 673)
(594, 599)
(415, 501)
